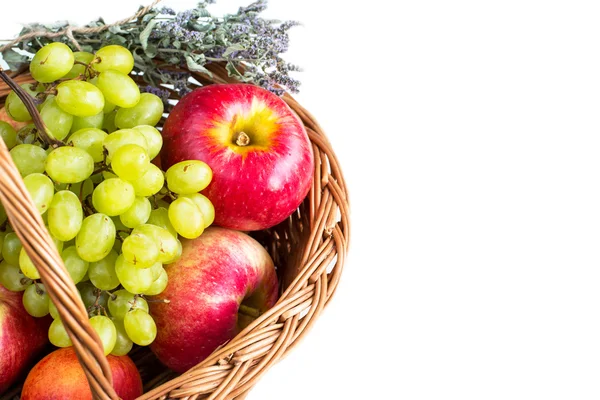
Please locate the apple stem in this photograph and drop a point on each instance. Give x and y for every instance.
(242, 139)
(249, 311)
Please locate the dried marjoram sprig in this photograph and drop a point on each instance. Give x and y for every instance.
(250, 45)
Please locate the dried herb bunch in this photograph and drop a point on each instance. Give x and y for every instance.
(163, 40)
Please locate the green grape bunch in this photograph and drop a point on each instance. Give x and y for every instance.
(115, 217)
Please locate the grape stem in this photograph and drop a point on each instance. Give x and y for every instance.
(29, 102)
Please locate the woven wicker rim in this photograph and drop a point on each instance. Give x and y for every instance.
(312, 244)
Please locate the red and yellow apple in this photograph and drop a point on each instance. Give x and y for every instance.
(60, 376)
(256, 146)
(220, 277)
(22, 337)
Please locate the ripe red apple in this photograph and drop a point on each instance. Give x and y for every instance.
(220, 279)
(60, 376)
(22, 337)
(257, 148)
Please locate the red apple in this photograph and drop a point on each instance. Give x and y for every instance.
(256, 146)
(220, 277)
(22, 337)
(60, 376)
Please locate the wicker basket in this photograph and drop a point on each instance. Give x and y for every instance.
(309, 249)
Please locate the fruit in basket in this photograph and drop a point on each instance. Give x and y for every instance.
(257, 148)
(221, 280)
(104, 203)
(21, 336)
(60, 376)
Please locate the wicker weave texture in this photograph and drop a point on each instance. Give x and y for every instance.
(309, 249)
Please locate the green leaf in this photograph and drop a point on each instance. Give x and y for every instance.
(232, 71)
(234, 47)
(145, 34)
(220, 36)
(193, 63)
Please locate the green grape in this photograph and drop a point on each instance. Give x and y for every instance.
(83, 189)
(155, 269)
(16, 108)
(8, 134)
(150, 183)
(159, 284)
(108, 109)
(27, 135)
(53, 310)
(2, 235)
(187, 177)
(137, 214)
(102, 273)
(109, 121)
(26, 265)
(105, 328)
(130, 162)
(133, 279)
(58, 244)
(79, 98)
(12, 278)
(51, 62)
(58, 334)
(160, 217)
(140, 327)
(140, 250)
(114, 57)
(69, 165)
(118, 88)
(95, 121)
(11, 248)
(113, 197)
(76, 267)
(108, 175)
(123, 137)
(36, 300)
(124, 344)
(92, 296)
(41, 190)
(57, 121)
(186, 218)
(148, 111)
(65, 215)
(122, 301)
(169, 247)
(153, 138)
(28, 158)
(118, 224)
(205, 206)
(91, 140)
(79, 69)
(95, 238)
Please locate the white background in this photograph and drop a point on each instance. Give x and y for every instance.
(469, 136)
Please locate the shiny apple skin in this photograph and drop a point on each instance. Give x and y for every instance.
(60, 376)
(215, 273)
(255, 186)
(22, 337)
